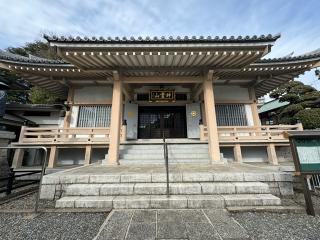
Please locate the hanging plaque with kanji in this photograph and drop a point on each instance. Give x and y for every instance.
(162, 95)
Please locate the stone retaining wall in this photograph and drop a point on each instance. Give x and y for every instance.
(53, 185)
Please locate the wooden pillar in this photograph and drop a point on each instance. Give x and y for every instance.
(237, 153)
(17, 158)
(203, 112)
(210, 111)
(254, 107)
(87, 158)
(67, 118)
(52, 157)
(115, 125)
(272, 155)
(19, 153)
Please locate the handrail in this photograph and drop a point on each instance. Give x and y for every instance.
(77, 135)
(166, 159)
(43, 169)
(250, 133)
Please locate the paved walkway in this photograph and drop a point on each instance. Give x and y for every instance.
(171, 224)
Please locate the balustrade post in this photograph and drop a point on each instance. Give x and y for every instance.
(237, 153)
(19, 153)
(299, 126)
(235, 134)
(52, 157)
(124, 131)
(202, 137)
(272, 154)
(87, 159)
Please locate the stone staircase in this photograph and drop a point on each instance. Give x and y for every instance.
(153, 153)
(187, 190)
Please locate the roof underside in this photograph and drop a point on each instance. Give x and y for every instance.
(237, 61)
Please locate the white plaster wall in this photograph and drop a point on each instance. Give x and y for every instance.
(74, 116)
(92, 94)
(227, 154)
(254, 154)
(54, 120)
(284, 154)
(249, 115)
(231, 93)
(70, 156)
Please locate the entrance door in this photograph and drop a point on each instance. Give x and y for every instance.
(153, 121)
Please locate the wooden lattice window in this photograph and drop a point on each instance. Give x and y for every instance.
(94, 116)
(231, 115)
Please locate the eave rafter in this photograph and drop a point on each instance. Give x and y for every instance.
(235, 60)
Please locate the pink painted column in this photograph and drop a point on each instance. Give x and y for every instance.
(214, 149)
(115, 125)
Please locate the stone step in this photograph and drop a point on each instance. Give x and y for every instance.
(160, 146)
(284, 209)
(164, 202)
(174, 176)
(160, 151)
(141, 146)
(161, 161)
(143, 156)
(207, 188)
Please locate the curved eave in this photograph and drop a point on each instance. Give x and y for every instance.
(268, 75)
(97, 53)
(281, 72)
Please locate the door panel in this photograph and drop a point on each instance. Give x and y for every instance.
(131, 115)
(193, 113)
(154, 121)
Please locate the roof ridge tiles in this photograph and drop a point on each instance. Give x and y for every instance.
(309, 55)
(155, 39)
(4, 55)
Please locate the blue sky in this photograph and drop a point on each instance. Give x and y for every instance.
(298, 21)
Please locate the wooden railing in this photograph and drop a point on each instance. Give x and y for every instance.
(67, 135)
(251, 134)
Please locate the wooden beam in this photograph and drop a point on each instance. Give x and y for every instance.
(127, 93)
(164, 79)
(197, 91)
(254, 107)
(160, 69)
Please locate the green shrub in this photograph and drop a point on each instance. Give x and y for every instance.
(38, 95)
(310, 118)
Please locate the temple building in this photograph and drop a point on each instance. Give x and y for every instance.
(124, 95)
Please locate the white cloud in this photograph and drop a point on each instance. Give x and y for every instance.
(298, 21)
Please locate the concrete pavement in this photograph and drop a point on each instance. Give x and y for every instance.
(199, 224)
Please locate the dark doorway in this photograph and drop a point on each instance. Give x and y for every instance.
(154, 121)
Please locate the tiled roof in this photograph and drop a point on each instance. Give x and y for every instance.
(311, 55)
(274, 104)
(170, 39)
(31, 59)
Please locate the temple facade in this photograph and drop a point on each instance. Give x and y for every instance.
(124, 95)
